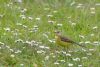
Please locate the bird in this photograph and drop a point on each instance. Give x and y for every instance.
(65, 41)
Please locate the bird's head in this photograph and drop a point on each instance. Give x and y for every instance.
(57, 33)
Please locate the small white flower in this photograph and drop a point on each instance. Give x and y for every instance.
(47, 47)
(89, 53)
(8, 47)
(38, 18)
(92, 8)
(56, 63)
(62, 60)
(49, 15)
(23, 16)
(73, 24)
(20, 1)
(18, 24)
(79, 65)
(79, 5)
(81, 36)
(11, 50)
(96, 43)
(7, 29)
(21, 64)
(23, 10)
(52, 41)
(76, 59)
(30, 18)
(1, 43)
(40, 51)
(95, 27)
(92, 34)
(72, 3)
(70, 64)
(68, 54)
(12, 55)
(45, 35)
(83, 50)
(81, 42)
(46, 8)
(41, 46)
(24, 26)
(91, 49)
(55, 11)
(87, 42)
(97, 4)
(59, 24)
(92, 12)
(47, 58)
(84, 58)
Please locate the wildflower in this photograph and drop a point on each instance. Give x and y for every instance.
(68, 54)
(30, 18)
(40, 51)
(47, 58)
(91, 49)
(11, 50)
(87, 42)
(76, 59)
(1, 43)
(45, 35)
(18, 51)
(21, 64)
(59, 24)
(97, 4)
(7, 29)
(23, 10)
(73, 24)
(38, 18)
(96, 43)
(83, 50)
(23, 16)
(62, 60)
(79, 65)
(70, 64)
(50, 21)
(49, 15)
(92, 34)
(81, 36)
(79, 5)
(46, 8)
(89, 53)
(18, 24)
(72, 3)
(52, 41)
(84, 58)
(24, 26)
(55, 11)
(81, 42)
(95, 27)
(12, 55)
(19, 1)
(56, 63)
(19, 40)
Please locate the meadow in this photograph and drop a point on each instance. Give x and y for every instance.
(27, 33)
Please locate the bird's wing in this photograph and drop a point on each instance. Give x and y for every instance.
(65, 39)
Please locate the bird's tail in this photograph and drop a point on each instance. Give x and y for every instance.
(81, 45)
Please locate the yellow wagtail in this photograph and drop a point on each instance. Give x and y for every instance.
(64, 41)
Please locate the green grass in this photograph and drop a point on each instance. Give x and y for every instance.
(27, 33)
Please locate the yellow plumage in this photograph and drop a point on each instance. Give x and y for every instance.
(64, 41)
(61, 43)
